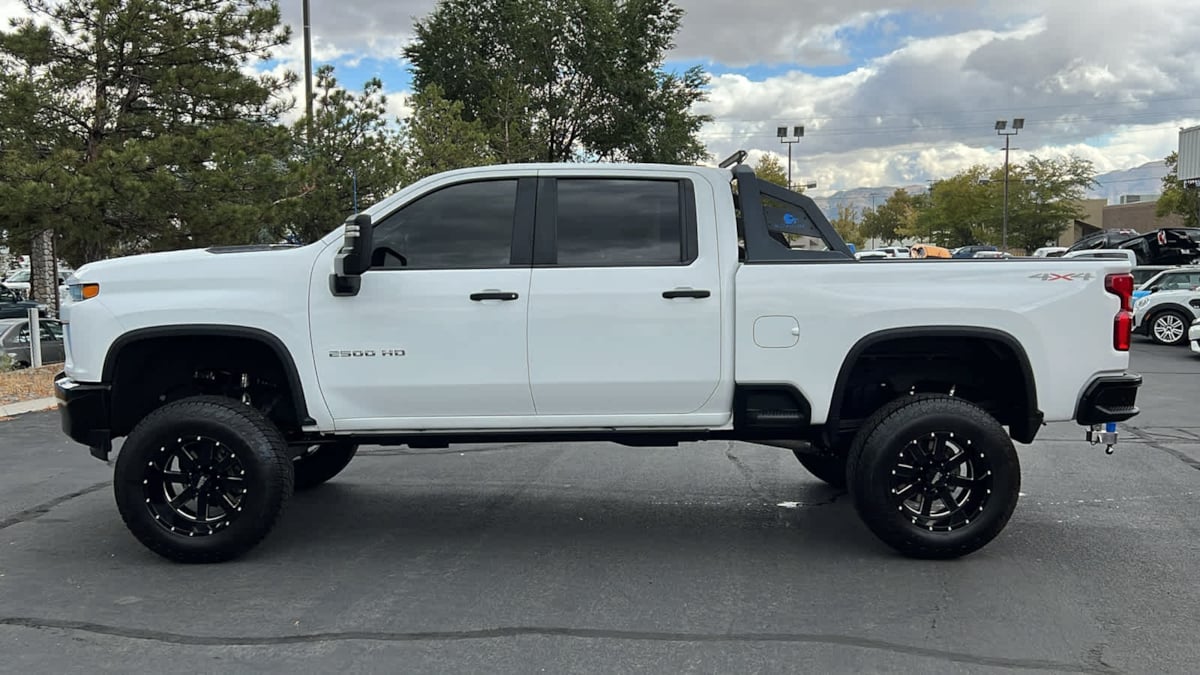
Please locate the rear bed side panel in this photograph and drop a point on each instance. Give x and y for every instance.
(1057, 310)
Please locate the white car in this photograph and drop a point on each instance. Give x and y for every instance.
(1165, 316)
(1194, 336)
(627, 303)
(1049, 251)
(892, 251)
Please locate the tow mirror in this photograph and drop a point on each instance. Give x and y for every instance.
(354, 258)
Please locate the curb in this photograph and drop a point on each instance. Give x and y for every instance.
(35, 405)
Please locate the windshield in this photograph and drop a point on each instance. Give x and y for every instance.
(19, 276)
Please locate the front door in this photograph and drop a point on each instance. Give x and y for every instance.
(625, 304)
(437, 331)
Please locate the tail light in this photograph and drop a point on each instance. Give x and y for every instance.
(1121, 285)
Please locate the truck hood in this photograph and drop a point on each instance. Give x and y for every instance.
(215, 265)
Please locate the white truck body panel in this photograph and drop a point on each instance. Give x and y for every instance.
(594, 348)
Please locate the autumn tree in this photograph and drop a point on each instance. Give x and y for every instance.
(564, 80)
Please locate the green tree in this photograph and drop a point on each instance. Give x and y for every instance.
(1044, 199)
(847, 226)
(562, 80)
(133, 126)
(439, 139)
(1177, 199)
(353, 159)
(958, 211)
(771, 169)
(892, 219)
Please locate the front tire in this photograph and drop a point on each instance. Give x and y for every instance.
(934, 476)
(203, 479)
(319, 463)
(1169, 328)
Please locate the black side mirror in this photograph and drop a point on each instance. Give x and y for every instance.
(354, 258)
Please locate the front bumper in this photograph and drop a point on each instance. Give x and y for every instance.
(84, 411)
(1112, 398)
(1194, 336)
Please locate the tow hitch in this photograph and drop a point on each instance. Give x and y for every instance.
(1103, 433)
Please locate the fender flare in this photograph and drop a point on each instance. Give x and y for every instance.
(1027, 429)
(210, 330)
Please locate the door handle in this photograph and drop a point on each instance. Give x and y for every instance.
(493, 295)
(685, 293)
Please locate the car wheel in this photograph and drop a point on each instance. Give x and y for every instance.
(203, 479)
(934, 476)
(1169, 328)
(830, 468)
(318, 463)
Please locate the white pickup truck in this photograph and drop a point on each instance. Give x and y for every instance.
(646, 305)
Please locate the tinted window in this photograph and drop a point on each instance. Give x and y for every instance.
(619, 222)
(461, 226)
(51, 330)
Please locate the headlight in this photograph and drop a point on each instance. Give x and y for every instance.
(1141, 302)
(80, 292)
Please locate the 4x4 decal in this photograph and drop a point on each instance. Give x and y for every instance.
(1069, 276)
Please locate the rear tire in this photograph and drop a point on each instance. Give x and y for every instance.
(828, 467)
(320, 463)
(934, 476)
(1169, 328)
(202, 479)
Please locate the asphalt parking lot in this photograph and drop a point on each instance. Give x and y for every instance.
(600, 558)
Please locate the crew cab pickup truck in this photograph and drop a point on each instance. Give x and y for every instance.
(645, 305)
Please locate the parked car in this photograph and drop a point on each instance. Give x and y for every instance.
(893, 251)
(19, 280)
(1165, 316)
(1050, 252)
(602, 302)
(14, 340)
(14, 306)
(970, 251)
(1194, 336)
(992, 254)
(1143, 273)
(1182, 278)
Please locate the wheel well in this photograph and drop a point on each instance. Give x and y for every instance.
(148, 371)
(989, 369)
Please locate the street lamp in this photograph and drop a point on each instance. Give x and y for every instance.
(797, 134)
(1017, 125)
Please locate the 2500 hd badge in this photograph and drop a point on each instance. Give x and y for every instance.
(350, 353)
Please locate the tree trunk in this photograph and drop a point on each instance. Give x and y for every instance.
(43, 272)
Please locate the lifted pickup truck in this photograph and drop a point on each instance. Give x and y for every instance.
(646, 305)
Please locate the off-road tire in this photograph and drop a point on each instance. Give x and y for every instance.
(317, 465)
(244, 440)
(875, 469)
(827, 466)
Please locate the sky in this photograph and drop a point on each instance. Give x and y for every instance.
(890, 92)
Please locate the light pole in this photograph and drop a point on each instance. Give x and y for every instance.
(308, 95)
(797, 134)
(1017, 124)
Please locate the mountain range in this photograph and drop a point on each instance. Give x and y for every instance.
(1142, 180)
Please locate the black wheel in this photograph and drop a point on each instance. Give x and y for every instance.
(828, 467)
(934, 476)
(1169, 328)
(202, 479)
(319, 463)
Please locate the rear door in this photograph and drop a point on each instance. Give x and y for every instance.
(625, 304)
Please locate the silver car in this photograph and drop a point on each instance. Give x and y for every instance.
(14, 341)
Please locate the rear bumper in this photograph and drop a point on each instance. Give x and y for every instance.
(84, 411)
(1112, 398)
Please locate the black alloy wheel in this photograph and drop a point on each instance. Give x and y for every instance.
(202, 479)
(934, 476)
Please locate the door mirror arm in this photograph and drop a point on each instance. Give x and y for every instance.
(354, 258)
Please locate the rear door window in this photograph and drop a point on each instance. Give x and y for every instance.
(627, 222)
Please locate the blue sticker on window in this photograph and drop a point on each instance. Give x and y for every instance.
(789, 219)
